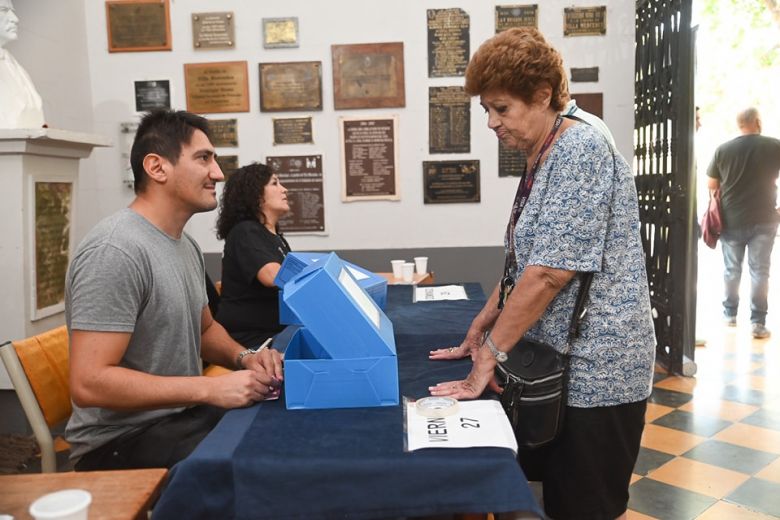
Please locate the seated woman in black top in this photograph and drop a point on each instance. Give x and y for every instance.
(252, 203)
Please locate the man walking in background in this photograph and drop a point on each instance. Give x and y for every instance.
(746, 170)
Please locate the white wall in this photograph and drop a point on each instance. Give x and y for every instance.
(356, 225)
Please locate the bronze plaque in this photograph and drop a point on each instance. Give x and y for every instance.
(449, 120)
(213, 30)
(593, 103)
(280, 32)
(52, 241)
(302, 176)
(446, 182)
(224, 132)
(151, 95)
(228, 164)
(369, 75)
(369, 158)
(448, 42)
(291, 87)
(585, 75)
(511, 162)
(217, 87)
(293, 130)
(509, 16)
(585, 21)
(138, 25)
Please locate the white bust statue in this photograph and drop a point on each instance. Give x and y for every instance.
(20, 104)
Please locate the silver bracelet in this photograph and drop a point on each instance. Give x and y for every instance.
(242, 355)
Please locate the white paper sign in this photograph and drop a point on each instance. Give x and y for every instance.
(480, 423)
(444, 292)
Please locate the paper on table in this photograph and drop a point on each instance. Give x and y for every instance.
(480, 423)
(444, 292)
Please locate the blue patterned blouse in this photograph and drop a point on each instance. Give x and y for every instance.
(582, 215)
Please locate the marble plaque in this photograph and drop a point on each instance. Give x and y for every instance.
(369, 75)
(511, 162)
(150, 95)
(448, 42)
(290, 87)
(53, 202)
(585, 21)
(228, 164)
(217, 87)
(138, 25)
(585, 75)
(369, 158)
(213, 30)
(224, 132)
(449, 120)
(280, 32)
(509, 16)
(447, 182)
(302, 176)
(293, 130)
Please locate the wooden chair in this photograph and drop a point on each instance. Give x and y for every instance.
(38, 368)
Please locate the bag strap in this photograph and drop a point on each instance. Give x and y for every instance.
(580, 308)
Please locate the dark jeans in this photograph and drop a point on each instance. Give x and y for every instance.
(158, 445)
(759, 241)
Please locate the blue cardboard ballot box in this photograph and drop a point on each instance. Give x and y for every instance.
(294, 263)
(343, 353)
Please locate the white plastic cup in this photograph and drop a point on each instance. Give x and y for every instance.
(398, 265)
(408, 272)
(421, 264)
(68, 504)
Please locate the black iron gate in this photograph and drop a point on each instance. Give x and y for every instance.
(663, 164)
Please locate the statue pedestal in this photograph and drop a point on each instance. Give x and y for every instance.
(39, 171)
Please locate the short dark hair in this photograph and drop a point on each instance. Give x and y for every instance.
(163, 132)
(519, 61)
(242, 197)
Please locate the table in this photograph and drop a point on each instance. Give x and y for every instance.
(266, 462)
(117, 495)
(417, 279)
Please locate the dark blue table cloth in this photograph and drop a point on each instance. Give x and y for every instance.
(266, 462)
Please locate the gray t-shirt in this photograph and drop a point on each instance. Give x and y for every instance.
(128, 276)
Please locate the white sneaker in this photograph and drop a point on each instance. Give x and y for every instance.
(760, 331)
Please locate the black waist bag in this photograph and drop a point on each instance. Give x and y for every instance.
(535, 380)
(534, 397)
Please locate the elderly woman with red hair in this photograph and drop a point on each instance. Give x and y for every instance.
(575, 211)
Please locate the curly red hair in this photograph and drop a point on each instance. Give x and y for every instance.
(520, 62)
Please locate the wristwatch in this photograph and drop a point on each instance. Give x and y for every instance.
(500, 356)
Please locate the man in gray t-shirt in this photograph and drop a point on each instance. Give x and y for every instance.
(138, 316)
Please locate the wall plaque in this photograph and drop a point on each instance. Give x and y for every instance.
(293, 130)
(150, 95)
(293, 86)
(280, 32)
(511, 162)
(224, 132)
(217, 87)
(369, 158)
(449, 120)
(508, 16)
(302, 176)
(450, 181)
(584, 75)
(593, 103)
(585, 21)
(448, 42)
(369, 75)
(138, 25)
(228, 164)
(53, 202)
(213, 30)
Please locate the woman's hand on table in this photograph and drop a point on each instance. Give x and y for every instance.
(482, 376)
(468, 347)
